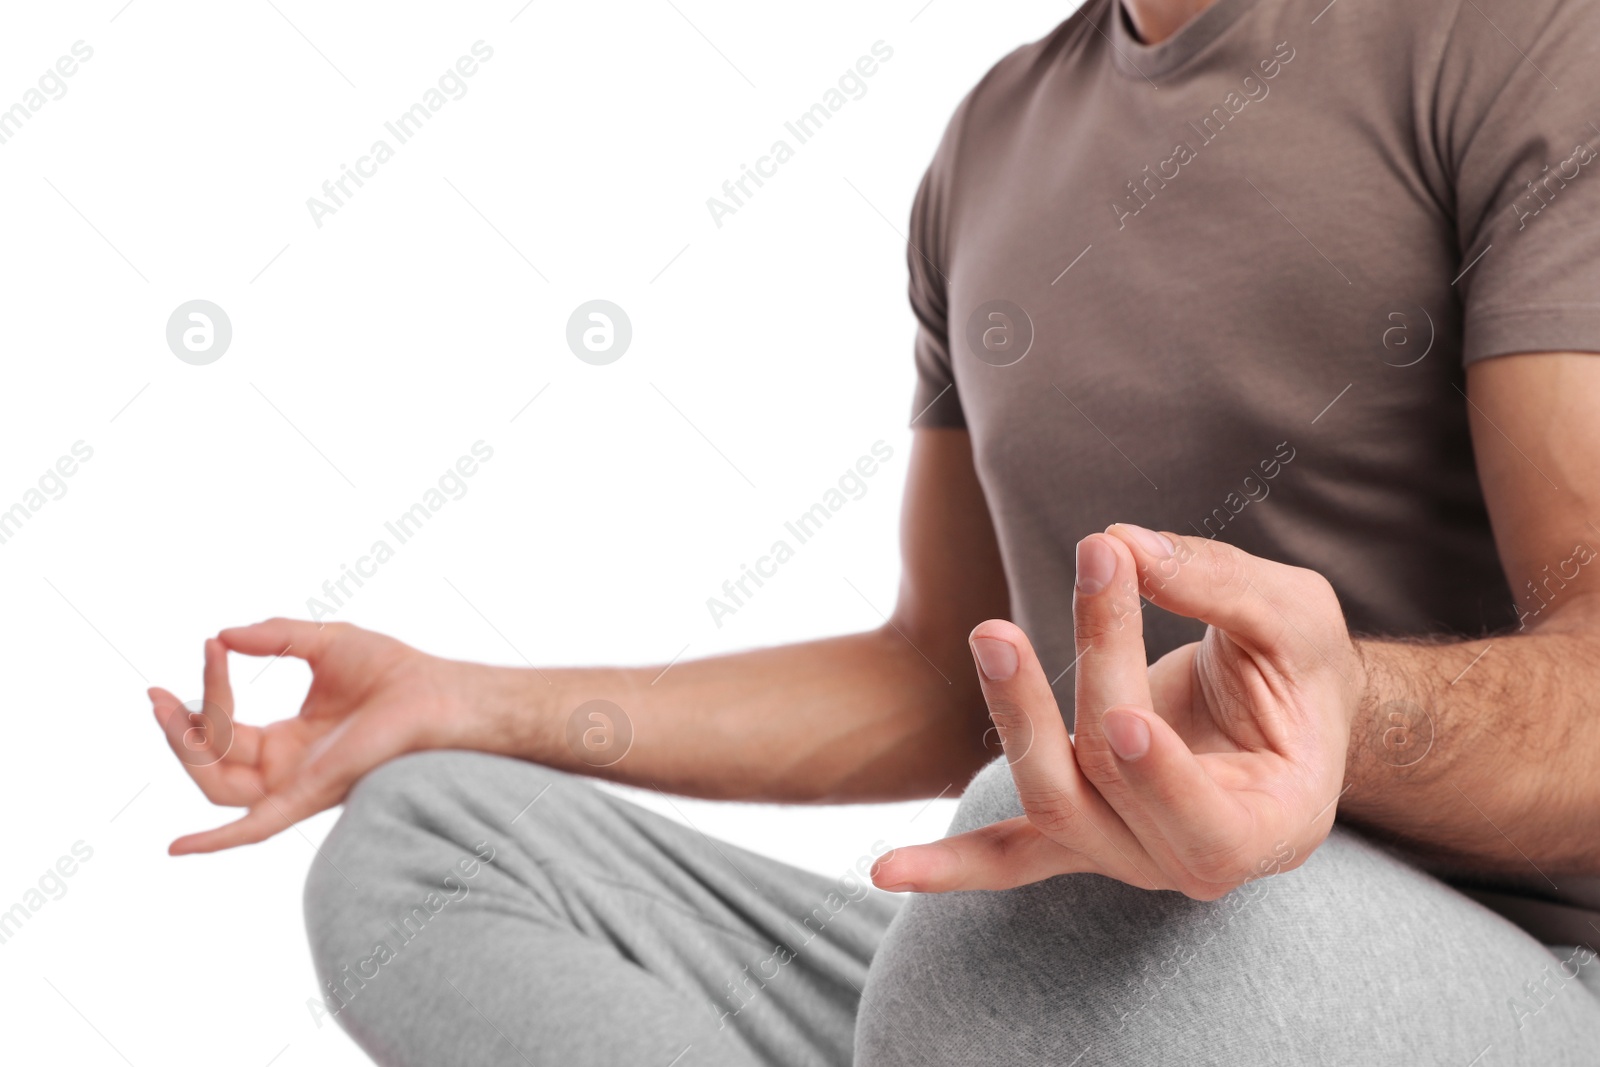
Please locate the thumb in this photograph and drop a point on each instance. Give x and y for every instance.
(1266, 607)
(272, 814)
(999, 856)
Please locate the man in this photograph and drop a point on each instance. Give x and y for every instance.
(1311, 289)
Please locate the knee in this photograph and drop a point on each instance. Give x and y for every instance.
(1082, 959)
(406, 826)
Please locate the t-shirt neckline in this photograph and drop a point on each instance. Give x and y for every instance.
(1132, 56)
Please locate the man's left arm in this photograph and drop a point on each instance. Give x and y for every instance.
(1227, 758)
(1484, 755)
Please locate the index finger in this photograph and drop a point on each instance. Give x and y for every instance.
(277, 637)
(1026, 716)
(1056, 796)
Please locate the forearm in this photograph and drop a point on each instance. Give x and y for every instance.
(1481, 755)
(849, 719)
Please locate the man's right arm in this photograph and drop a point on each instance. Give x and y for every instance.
(889, 714)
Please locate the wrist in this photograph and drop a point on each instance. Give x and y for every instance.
(529, 713)
(1370, 735)
(439, 695)
(520, 712)
(1364, 700)
(480, 708)
(1392, 735)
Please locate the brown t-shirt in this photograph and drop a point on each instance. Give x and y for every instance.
(1226, 285)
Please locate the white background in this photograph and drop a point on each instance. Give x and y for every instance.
(368, 355)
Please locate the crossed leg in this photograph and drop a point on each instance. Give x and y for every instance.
(453, 921)
(588, 931)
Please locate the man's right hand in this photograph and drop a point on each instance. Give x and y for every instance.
(372, 699)
(892, 713)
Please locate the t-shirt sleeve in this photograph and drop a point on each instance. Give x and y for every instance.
(936, 401)
(1517, 84)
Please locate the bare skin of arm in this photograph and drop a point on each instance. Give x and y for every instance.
(1226, 759)
(1509, 784)
(889, 714)
(865, 717)
(1507, 787)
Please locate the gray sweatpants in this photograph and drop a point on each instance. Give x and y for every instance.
(469, 909)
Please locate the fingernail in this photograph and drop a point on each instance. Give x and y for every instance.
(1097, 565)
(1149, 540)
(1127, 733)
(997, 659)
(898, 887)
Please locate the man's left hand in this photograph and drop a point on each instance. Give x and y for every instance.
(1218, 764)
